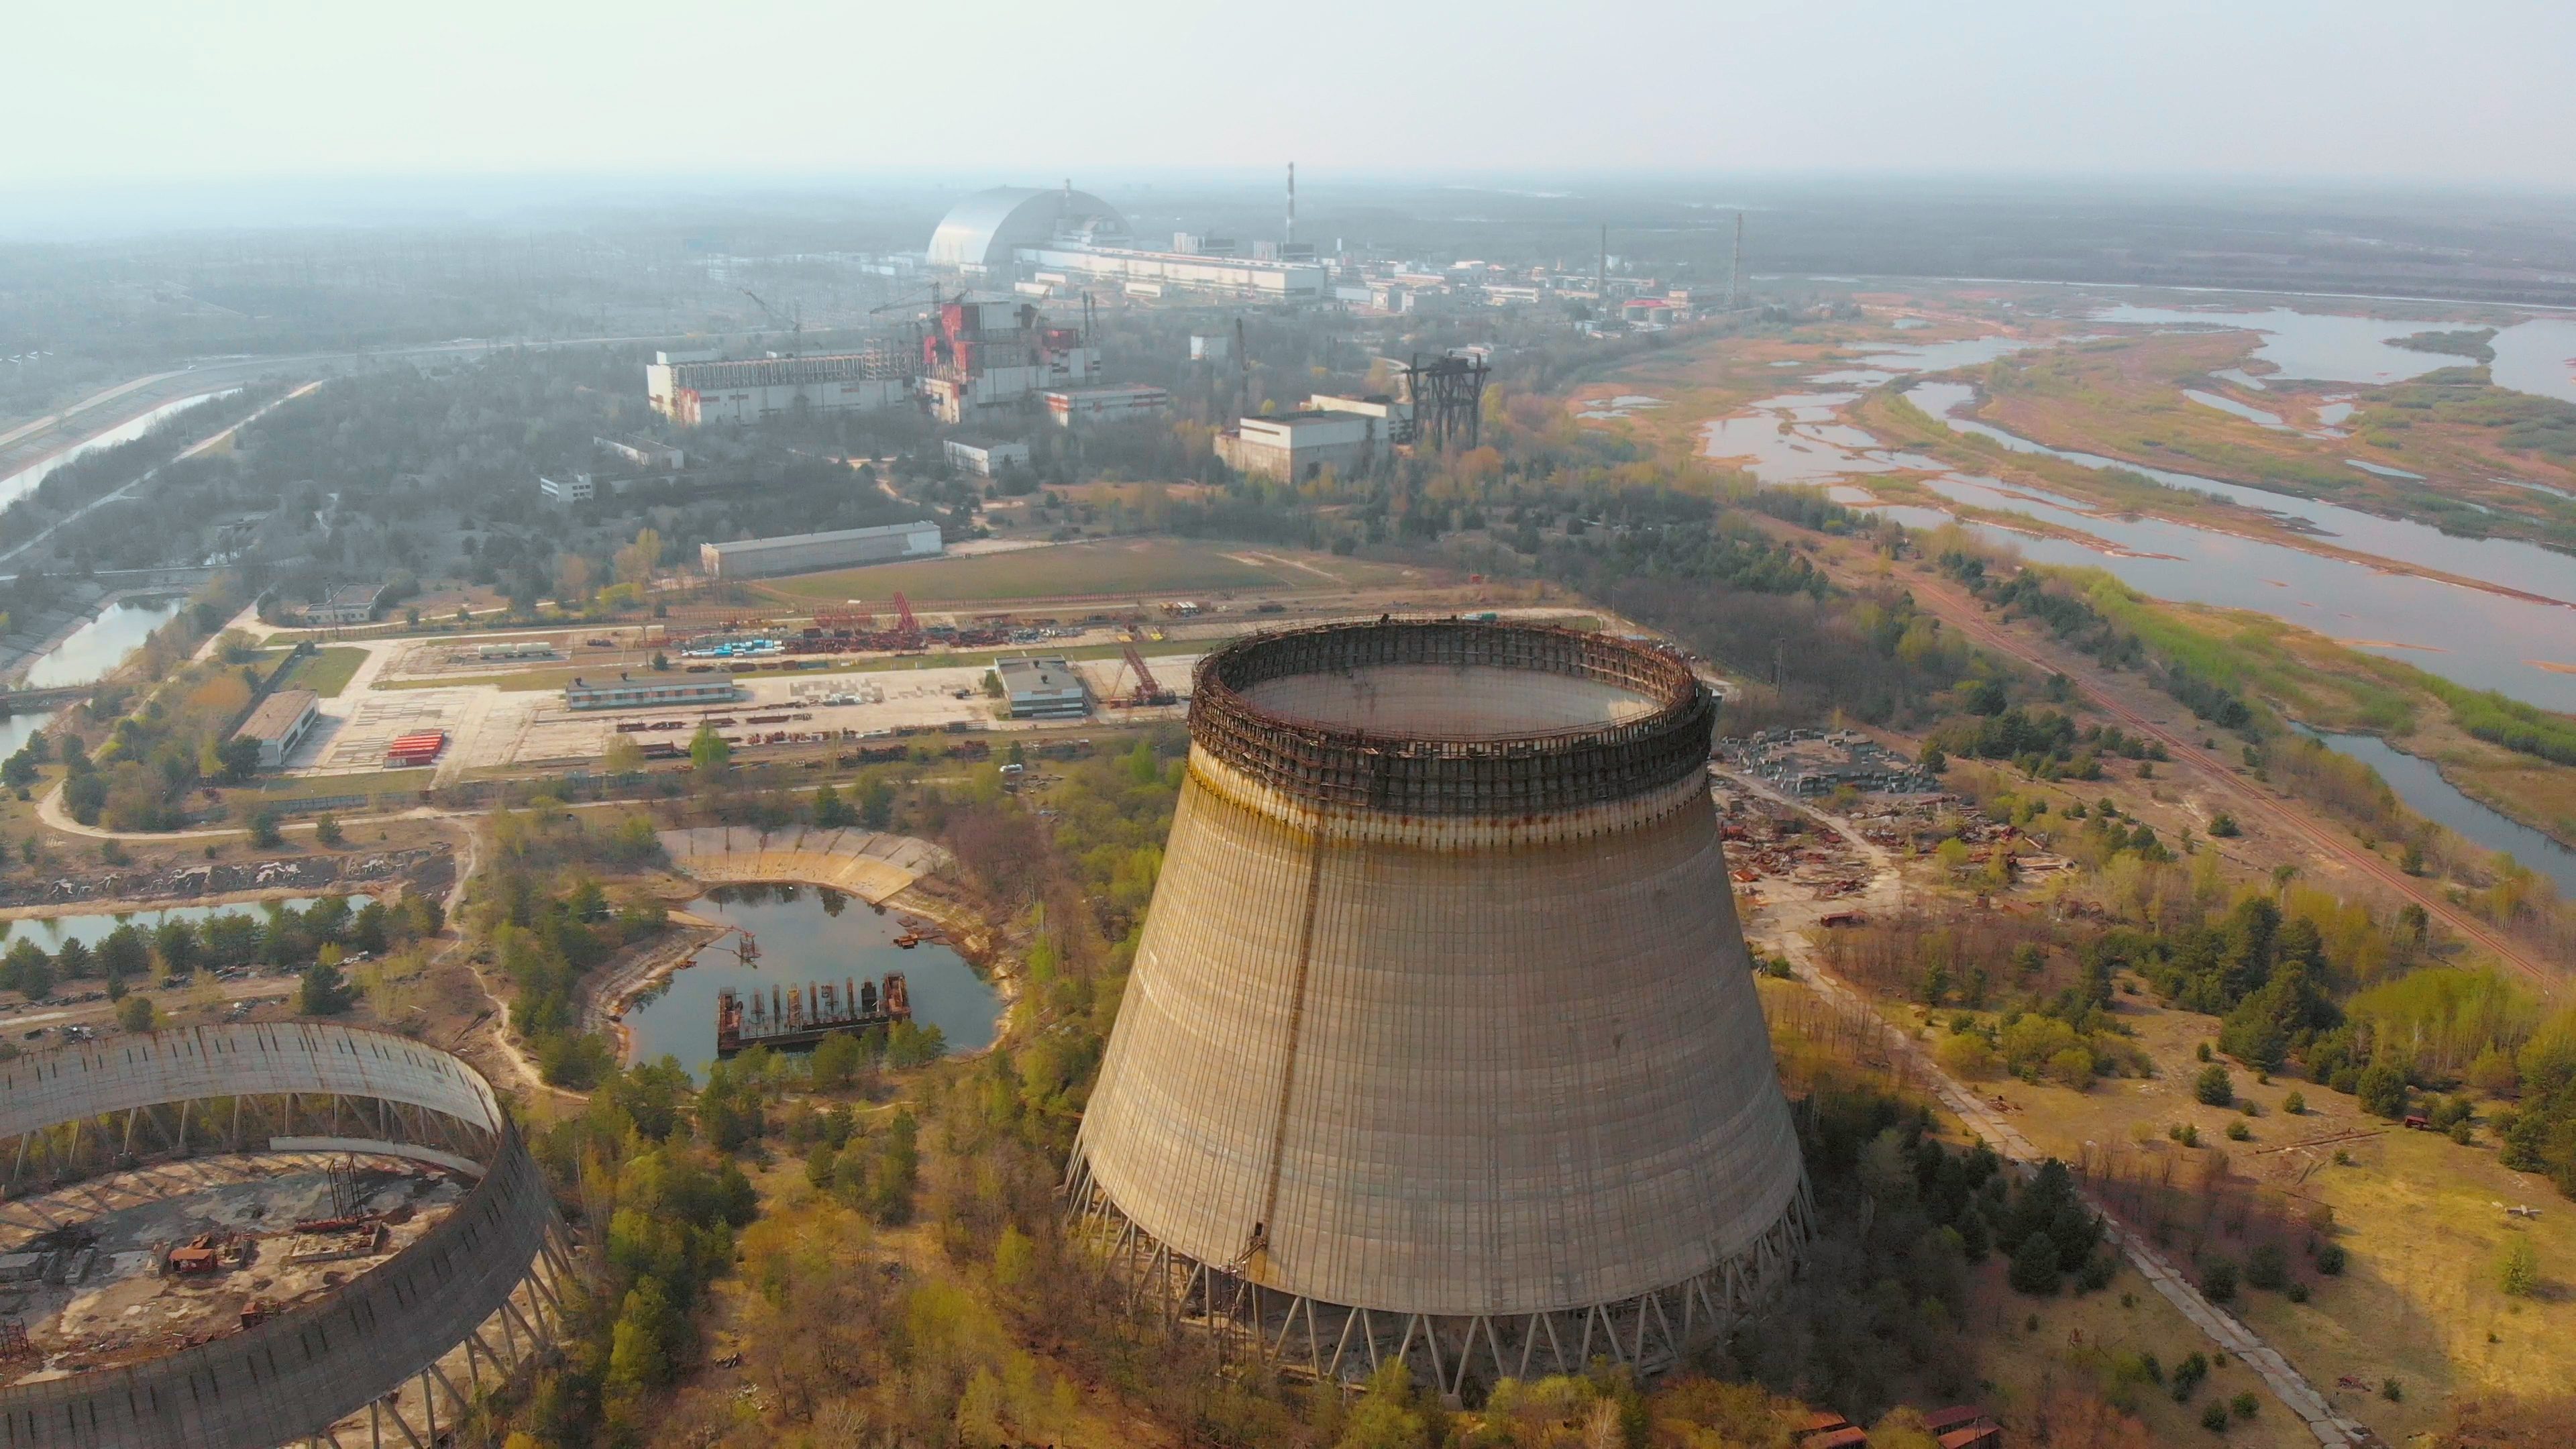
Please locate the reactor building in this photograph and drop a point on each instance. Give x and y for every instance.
(1442, 1042)
(1011, 231)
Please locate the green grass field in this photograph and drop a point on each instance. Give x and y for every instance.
(1123, 568)
(324, 671)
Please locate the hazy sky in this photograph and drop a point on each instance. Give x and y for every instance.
(146, 90)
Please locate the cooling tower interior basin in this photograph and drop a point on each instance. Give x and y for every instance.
(1442, 1007)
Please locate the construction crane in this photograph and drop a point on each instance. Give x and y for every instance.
(905, 623)
(795, 324)
(1148, 690)
(913, 299)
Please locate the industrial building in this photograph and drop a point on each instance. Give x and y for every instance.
(625, 693)
(1042, 688)
(569, 489)
(1017, 232)
(1067, 407)
(796, 553)
(644, 453)
(280, 724)
(985, 459)
(1296, 446)
(980, 353)
(1442, 1042)
(697, 392)
(344, 604)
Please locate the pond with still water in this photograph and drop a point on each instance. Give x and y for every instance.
(807, 936)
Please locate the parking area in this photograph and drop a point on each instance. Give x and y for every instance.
(491, 728)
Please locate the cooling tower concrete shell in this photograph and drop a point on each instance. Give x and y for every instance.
(279, 1086)
(1442, 1010)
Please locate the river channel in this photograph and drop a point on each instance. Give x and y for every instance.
(2425, 792)
(2479, 638)
(94, 649)
(807, 936)
(51, 932)
(23, 482)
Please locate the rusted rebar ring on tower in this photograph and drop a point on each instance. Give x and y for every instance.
(1503, 774)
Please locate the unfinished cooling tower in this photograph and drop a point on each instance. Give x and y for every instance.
(1442, 1041)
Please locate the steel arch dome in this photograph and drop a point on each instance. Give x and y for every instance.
(980, 231)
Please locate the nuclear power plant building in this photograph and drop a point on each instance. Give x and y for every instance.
(1441, 1041)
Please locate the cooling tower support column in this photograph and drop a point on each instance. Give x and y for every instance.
(1441, 1042)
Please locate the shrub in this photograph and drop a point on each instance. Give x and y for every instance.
(135, 1013)
(2096, 1273)
(2072, 1067)
(327, 830)
(2393, 1390)
(2297, 1292)
(2213, 1088)
(2218, 1280)
(2382, 1089)
(2223, 826)
(2245, 1405)
(2330, 1259)
(2267, 1268)
(2188, 1374)
(263, 829)
(2518, 1275)
(1968, 1057)
(2237, 1131)
(2294, 1104)
(2214, 1418)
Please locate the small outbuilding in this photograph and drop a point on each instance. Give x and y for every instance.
(280, 724)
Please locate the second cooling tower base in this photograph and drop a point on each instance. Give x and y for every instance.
(1464, 1354)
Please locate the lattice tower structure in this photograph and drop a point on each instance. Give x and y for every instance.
(1441, 1041)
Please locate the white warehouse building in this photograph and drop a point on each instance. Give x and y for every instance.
(795, 553)
(985, 459)
(694, 393)
(1296, 446)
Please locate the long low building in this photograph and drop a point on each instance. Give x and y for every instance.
(645, 693)
(795, 553)
(280, 724)
(1068, 406)
(695, 393)
(1225, 276)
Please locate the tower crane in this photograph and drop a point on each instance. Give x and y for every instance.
(794, 324)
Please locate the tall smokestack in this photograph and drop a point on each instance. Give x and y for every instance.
(1735, 274)
(1292, 202)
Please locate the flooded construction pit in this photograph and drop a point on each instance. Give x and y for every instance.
(806, 938)
(135, 1265)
